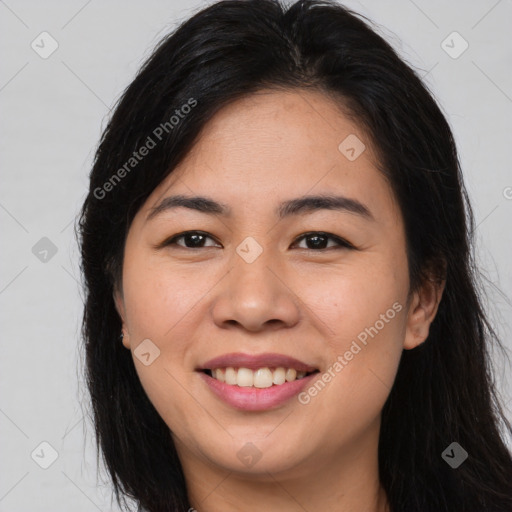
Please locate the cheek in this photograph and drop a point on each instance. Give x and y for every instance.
(355, 297)
(163, 305)
(364, 354)
(159, 298)
(363, 312)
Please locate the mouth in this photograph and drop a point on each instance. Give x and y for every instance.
(256, 382)
(260, 378)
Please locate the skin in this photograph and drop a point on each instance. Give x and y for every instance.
(294, 299)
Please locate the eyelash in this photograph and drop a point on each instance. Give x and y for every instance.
(342, 243)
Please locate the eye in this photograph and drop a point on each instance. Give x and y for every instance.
(194, 238)
(320, 238)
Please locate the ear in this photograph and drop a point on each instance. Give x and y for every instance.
(422, 311)
(120, 307)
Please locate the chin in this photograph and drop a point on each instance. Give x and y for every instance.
(251, 455)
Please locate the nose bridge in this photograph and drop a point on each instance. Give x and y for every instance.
(251, 273)
(254, 293)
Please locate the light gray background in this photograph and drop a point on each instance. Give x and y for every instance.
(53, 111)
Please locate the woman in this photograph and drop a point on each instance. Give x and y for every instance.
(281, 310)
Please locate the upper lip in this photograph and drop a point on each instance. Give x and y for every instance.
(254, 361)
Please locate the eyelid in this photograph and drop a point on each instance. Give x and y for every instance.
(338, 239)
(172, 239)
(341, 242)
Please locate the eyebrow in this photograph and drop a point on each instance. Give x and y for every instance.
(287, 208)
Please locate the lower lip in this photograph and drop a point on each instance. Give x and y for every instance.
(256, 399)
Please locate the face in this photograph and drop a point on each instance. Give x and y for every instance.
(224, 301)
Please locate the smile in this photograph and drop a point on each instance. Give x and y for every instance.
(259, 378)
(255, 382)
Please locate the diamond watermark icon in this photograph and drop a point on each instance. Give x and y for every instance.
(454, 455)
(249, 250)
(44, 455)
(249, 454)
(44, 45)
(146, 352)
(351, 147)
(454, 45)
(44, 250)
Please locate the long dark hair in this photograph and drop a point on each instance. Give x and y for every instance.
(444, 391)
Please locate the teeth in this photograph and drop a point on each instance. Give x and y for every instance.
(219, 374)
(260, 378)
(291, 374)
(230, 376)
(245, 378)
(279, 376)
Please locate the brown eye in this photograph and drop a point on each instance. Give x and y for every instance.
(192, 240)
(315, 240)
(318, 240)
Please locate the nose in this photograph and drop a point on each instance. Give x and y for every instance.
(256, 296)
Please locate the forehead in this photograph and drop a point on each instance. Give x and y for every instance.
(281, 129)
(273, 145)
